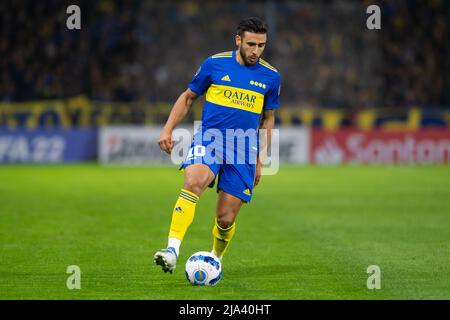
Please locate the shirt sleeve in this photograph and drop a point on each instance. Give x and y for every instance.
(202, 78)
(272, 99)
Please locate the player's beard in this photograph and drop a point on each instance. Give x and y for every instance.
(244, 57)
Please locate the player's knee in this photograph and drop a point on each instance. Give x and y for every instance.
(194, 185)
(225, 221)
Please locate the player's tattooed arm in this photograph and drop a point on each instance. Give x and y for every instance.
(178, 112)
(266, 125)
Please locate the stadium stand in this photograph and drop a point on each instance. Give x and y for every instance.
(140, 55)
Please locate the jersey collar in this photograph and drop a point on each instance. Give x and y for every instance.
(243, 66)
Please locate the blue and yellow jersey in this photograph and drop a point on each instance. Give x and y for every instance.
(236, 95)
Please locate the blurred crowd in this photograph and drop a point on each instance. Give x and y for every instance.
(416, 51)
(132, 50)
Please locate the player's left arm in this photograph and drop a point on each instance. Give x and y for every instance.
(271, 103)
(266, 126)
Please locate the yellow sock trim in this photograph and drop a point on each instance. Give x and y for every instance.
(183, 214)
(188, 195)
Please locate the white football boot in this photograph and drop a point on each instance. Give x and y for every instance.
(166, 258)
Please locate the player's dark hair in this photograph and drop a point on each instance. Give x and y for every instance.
(252, 24)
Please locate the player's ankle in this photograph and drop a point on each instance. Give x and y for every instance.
(173, 250)
(174, 243)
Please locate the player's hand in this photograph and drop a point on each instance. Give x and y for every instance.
(165, 141)
(258, 173)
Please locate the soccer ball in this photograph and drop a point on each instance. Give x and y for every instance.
(203, 269)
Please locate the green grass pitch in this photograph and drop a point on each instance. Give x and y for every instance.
(309, 233)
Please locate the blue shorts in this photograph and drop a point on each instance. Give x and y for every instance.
(236, 179)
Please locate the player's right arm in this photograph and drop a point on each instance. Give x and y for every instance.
(178, 112)
(198, 85)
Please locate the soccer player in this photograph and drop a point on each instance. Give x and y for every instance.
(242, 93)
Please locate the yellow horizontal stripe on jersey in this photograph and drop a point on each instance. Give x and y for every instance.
(233, 97)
